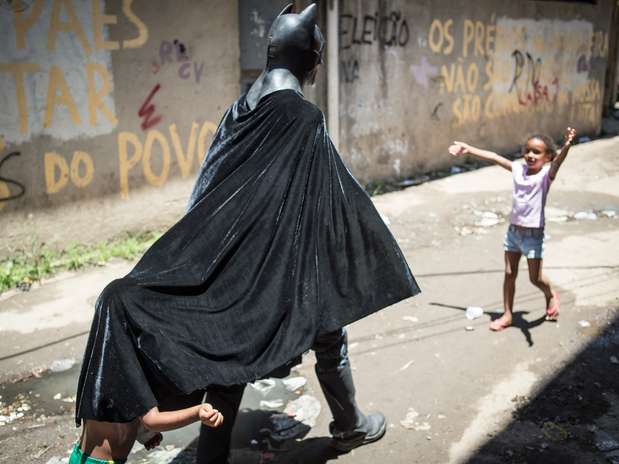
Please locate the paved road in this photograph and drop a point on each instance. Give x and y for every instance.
(537, 392)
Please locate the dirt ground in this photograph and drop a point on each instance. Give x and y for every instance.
(453, 392)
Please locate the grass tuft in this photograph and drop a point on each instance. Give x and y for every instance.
(39, 261)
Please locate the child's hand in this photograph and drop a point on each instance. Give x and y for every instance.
(570, 135)
(209, 416)
(153, 442)
(459, 149)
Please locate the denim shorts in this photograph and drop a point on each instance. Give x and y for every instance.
(526, 240)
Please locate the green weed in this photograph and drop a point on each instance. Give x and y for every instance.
(30, 265)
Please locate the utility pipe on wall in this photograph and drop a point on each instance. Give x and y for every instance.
(333, 72)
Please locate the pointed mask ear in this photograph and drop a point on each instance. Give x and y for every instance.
(308, 15)
(287, 9)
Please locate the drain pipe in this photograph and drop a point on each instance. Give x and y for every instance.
(333, 72)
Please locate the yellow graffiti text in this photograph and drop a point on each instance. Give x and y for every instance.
(58, 172)
(71, 25)
(4, 193)
(24, 20)
(142, 36)
(95, 97)
(157, 180)
(155, 154)
(478, 38)
(19, 70)
(57, 82)
(586, 107)
(99, 20)
(440, 37)
(185, 158)
(455, 78)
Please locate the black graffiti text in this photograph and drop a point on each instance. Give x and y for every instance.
(19, 185)
(390, 30)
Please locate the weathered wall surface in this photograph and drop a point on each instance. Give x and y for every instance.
(416, 75)
(101, 97)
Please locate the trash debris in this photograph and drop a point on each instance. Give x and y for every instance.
(273, 404)
(61, 365)
(584, 139)
(464, 231)
(414, 181)
(293, 384)
(68, 399)
(456, 170)
(409, 421)
(41, 452)
(604, 442)
(473, 312)
(488, 218)
(263, 386)
(588, 215)
(305, 409)
(441, 416)
(410, 319)
(556, 214)
(57, 396)
(469, 328)
(423, 427)
(24, 285)
(584, 323)
(13, 416)
(614, 360)
(406, 366)
(57, 460)
(284, 427)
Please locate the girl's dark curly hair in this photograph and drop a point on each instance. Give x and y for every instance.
(551, 146)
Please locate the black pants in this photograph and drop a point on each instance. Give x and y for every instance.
(335, 377)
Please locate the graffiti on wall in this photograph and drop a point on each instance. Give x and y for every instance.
(154, 153)
(509, 66)
(527, 84)
(147, 110)
(6, 193)
(176, 53)
(55, 68)
(56, 80)
(386, 29)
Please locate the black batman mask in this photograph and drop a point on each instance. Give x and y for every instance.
(295, 42)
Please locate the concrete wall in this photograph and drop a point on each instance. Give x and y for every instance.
(101, 97)
(417, 74)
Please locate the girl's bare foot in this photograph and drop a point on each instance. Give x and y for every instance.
(552, 307)
(501, 323)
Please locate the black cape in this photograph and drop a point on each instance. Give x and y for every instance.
(280, 243)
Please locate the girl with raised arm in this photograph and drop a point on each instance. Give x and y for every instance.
(532, 177)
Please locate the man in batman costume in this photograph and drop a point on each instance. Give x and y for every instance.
(279, 250)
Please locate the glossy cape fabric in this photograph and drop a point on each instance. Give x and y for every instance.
(280, 243)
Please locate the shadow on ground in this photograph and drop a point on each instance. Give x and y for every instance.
(573, 419)
(249, 428)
